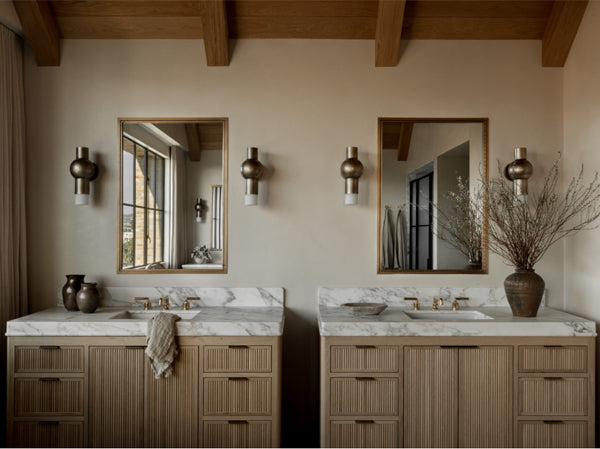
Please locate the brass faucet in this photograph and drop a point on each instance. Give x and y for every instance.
(455, 305)
(164, 302)
(147, 304)
(437, 302)
(186, 303)
(416, 304)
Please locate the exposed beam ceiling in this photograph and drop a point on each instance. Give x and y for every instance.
(384, 21)
(404, 139)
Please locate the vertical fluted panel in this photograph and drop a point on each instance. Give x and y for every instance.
(553, 359)
(367, 434)
(553, 396)
(430, 396)
(59, 434)
(364, 396)
(485, 397)
(364, 358)
(172, 403)
(237, 434)
(237, 396)
(558, 434)
(55, 396)
(116, 396)
(237, 359)
(64, 359)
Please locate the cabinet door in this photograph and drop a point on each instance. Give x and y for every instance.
(172, 403)
(485, 397)
(116, 392)
(48, 434)
(430, 396)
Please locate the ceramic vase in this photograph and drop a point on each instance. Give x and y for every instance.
(524, 291)
(70, 289)
(88, 297)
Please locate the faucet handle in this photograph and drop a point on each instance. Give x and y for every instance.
(147, 304)
(164, 302)
(186, 303)
(416, 304)
(455, 305)
(437, 302)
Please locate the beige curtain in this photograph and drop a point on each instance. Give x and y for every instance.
(177, 237)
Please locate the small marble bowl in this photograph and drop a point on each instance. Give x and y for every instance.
(364, 308)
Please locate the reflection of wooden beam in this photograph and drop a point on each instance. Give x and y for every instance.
(561, 30)
(193, 138)
(390, 16)
(203, 137)
(214, 32)
(404, 141)
(40, 30)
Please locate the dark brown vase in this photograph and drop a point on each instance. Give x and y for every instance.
(70, 289)
(524, 290)
(88, 297)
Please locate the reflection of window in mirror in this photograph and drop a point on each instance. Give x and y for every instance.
(216, 241)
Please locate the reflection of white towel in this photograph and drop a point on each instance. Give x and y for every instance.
(400, 247)
(387, 241)
(162, 349)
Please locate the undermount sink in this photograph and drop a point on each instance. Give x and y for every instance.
(448, 315)
(148, 314)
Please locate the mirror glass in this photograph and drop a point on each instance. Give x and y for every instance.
(429, 171)
(172, 195)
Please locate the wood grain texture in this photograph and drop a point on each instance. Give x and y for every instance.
(485, 411)
(430, 397)
(404, 139)
(40, 29)
(364, 434)
(116, 389)
(48, 434)
(364, 396)
(366, 358)
(555, 434)
(51, 359)
(566, 396)
(561, 30)
(240, 359)
(215, 32)
(55, 396)
(119, 27)
(565, 359)
(241, 433)
(225, 396)
(390, 16)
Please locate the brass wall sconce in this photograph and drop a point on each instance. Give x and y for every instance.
(351, 170)
(252, 171)
(199, 207)
(84, 171)
(519, 171)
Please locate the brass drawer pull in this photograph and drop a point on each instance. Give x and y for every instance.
(365, 347)
(135, 347)
(48, 423)
(50, 347)
(364, 378)
(237, 421)
(553, 346)
(552, 421)
(459, 346)
(238, 378)
(238, 346)
(364, 421)
(553, 378)
(49, 379)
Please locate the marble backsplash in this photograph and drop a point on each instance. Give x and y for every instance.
(209, 297)
(394, 296)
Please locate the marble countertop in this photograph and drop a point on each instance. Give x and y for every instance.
(210, 321)
(335, 321)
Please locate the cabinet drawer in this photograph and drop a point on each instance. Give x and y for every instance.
(557, 359)
(364, 358)
(553, 396)
(237, 359)
(64, 359)
(364, 396)
(237, 433)
(364, 433)
(553, 434)
(48, 396)
(47, 434)
(237, 396)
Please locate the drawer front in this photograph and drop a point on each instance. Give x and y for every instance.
(553, 396)
(557, 359)
(63, 359)
(364, 433)
(237, 396)
(364, 358)
(48, 396)
(237, 359)
(553, 434)
(47, 434)
(364, 396)
(238, 433)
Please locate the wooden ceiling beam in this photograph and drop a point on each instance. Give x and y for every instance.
(404, 139)
(215, 32)
(192, 132)
(41, 32)
(390, 16)
(561, 30)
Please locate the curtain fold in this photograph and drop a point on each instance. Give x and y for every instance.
(178, 244)
(400, 242)
(387, 240)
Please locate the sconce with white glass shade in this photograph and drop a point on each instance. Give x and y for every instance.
(252, 170)
(84, 171)
(351, 170)
(199, 207)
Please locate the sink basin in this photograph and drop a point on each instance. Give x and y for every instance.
(147, 314)
(448, 315)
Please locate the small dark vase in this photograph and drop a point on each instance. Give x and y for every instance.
(524, 291)
(70, 289)
(88, 297)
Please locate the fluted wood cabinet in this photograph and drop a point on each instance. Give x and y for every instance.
(457, 391)
(101, 392)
